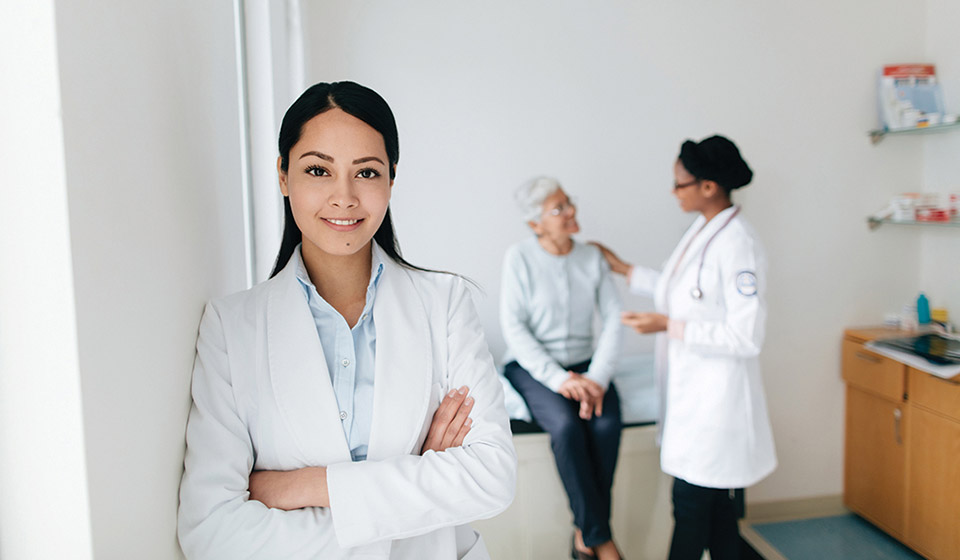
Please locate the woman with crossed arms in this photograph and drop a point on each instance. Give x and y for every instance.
(330, 413)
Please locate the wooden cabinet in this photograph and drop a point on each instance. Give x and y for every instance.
(933, 466)
(902, 449)
(874, 474)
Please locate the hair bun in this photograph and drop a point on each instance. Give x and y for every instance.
(716, 159)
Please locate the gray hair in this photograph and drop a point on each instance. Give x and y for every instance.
(530, 196)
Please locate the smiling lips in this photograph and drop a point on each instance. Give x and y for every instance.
(342, 225)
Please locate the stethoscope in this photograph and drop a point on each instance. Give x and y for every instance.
(697, 292)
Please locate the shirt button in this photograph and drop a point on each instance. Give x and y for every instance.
(343, 415)
(345, 362)
(363, 317)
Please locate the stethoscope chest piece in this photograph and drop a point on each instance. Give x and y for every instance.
(696, 293)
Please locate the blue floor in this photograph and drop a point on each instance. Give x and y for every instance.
(846, 537)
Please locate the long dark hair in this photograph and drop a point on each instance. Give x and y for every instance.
(363, 103)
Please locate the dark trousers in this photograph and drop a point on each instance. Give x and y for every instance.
(585, 450)
(705, 518)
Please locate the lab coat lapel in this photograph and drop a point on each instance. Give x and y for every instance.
(671, 268)
(403, 370)
(299, 375)
(694, 252)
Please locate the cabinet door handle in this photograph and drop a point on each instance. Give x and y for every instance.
(869, 358)
(897, 415)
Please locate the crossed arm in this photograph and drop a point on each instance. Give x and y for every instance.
(370, 502)
(307, 487)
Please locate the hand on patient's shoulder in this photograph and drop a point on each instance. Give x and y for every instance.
(617, 264)
(451, 422)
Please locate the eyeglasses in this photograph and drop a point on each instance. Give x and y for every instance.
(562, 208)
(687, 184)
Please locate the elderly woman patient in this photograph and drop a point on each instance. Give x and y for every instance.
(552, 287)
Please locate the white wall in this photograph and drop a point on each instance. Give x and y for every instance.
(147, 169)
(153, 170)
(489, 94)
(42, 467)
(940, 270)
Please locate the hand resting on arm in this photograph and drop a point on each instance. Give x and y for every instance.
(307, 487)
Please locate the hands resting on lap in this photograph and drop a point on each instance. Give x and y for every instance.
(585, 390)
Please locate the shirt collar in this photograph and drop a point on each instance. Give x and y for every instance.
(376, 270)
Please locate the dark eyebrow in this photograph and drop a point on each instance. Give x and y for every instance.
(319, 155)
(330, 158)
(368, 158)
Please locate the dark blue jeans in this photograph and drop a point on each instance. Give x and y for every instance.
(585, 450)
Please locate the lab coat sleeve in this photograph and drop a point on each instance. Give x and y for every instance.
(642, 280)
(604, 361)
(515, 321)
(418, 494)
(216, 518)
(741, 332)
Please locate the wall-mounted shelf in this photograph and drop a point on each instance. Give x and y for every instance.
(874, 223)
(878, 135)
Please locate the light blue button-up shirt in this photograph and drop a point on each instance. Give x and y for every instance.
(350, 355)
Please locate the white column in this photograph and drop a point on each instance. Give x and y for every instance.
(274, 68)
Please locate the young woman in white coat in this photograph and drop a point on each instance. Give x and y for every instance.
(331, 416)
(710, 318)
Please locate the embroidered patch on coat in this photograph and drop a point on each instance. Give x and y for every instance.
(747, 283)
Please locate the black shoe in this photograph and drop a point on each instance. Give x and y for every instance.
(576, 554)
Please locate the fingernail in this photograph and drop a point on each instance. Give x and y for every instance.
(468, 422)
(469, 401)
(452, 393)
(463, 390)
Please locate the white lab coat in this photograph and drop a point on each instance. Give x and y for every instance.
(263, 400)
(715, 431)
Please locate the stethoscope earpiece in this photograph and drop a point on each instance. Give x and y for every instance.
(696, 293)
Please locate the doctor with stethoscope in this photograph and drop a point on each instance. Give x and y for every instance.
(710, 317)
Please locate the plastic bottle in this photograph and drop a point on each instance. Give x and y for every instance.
(923, 310)
(908, 318)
